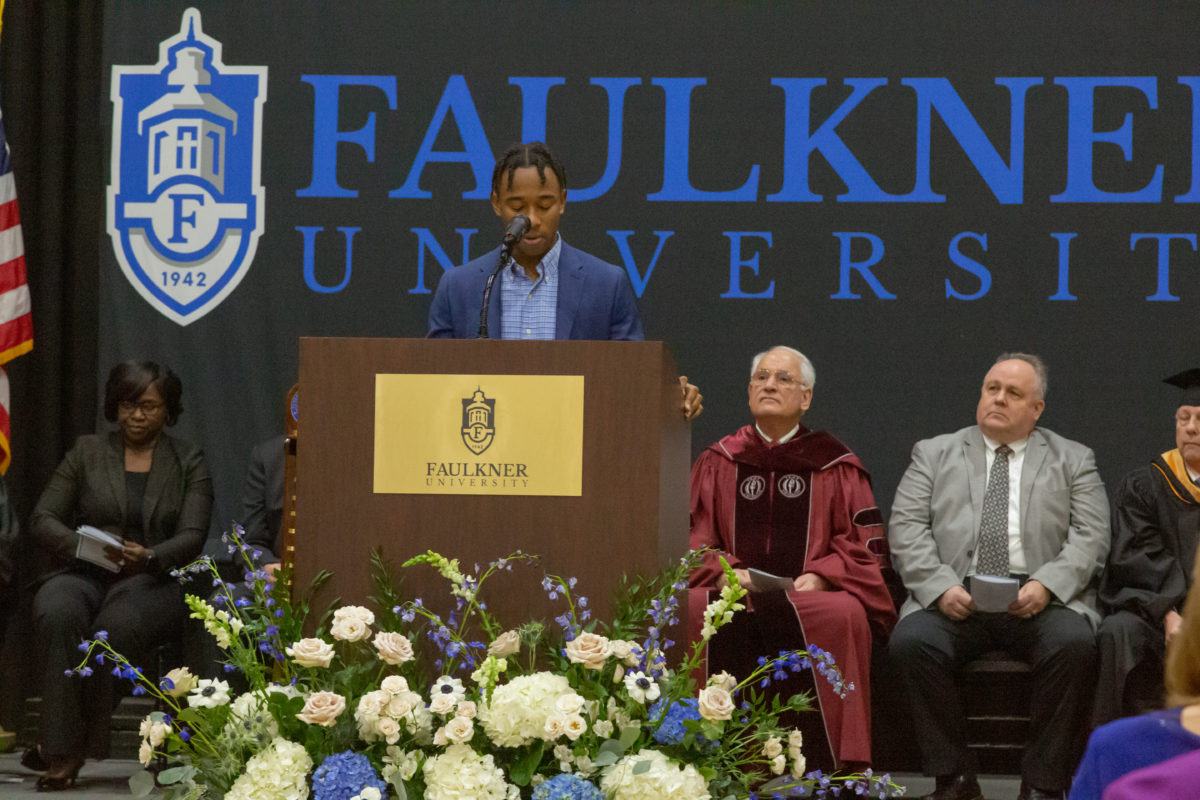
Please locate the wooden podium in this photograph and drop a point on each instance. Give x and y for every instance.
(632, 515)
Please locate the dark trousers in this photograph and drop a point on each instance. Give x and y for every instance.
(1132, 654)
(138, 612)
(929, 649)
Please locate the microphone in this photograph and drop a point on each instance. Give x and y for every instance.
(512, 234)
(515, 230)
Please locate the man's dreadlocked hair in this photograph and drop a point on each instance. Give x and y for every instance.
(528, 154)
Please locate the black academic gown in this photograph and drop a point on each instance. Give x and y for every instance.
(1155, 529)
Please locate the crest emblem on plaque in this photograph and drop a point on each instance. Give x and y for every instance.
(185, 208)
(478, 422)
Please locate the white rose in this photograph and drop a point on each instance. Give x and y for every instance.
(389, 729)
(311, 653)
(443, 704)
(589, 649)
(773, 747)
(575, 726)
(724, 680)
(555, 725)
(394, 684)
(466, 709)
(439, 738)
(715, 703)
(506, 644)
(145, 753)
(798, 765)
(569, 703)
(603, 728)
(322, 708)
(459, 730)
(393, 648)
(777, 764)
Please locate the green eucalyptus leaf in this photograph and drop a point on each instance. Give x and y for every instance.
(141, 784)
(172, 775)
(604, 758)
(641, 766)
(629, 736)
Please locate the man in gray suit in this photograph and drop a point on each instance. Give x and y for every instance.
(1007, 500)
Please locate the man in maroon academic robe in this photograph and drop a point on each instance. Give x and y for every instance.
(779, 498)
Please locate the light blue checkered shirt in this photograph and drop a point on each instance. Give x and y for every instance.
(528, 308)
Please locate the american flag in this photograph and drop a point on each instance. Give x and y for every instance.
(16, 323)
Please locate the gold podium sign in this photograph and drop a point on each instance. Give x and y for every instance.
(479, 434)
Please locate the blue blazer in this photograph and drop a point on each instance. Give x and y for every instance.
(595, 300)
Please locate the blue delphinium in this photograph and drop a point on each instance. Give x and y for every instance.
(567, 787)
(344, 775)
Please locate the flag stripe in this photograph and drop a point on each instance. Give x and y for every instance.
(12, 275)
(10, 217)
(16, 338)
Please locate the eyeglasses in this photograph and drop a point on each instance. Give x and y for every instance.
(148, 407)
(783, 379)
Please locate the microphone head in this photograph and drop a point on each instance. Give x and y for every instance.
(516, 229)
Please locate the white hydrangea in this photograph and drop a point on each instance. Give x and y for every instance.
(519, 710)
(462, 774)
(664, 780)
(280, 772)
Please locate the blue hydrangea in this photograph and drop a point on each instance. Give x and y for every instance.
(567, 787)
(344, 775)
(671, 730)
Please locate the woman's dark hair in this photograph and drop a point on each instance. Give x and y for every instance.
(129, 379)
(529, 154)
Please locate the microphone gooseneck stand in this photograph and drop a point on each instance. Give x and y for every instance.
(505, 255)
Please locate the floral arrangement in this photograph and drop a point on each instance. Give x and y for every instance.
(582, 710)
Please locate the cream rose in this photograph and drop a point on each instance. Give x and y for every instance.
(350, 629)
(182, 681)
(777, 764)
(589, 649)
(145, 753)
(389, 729)
(773, 747)
(459, 730)
(394, 684)
(322, 708)
(466, 709)
(715, 703)
(394, 648)
(443, 704)
(506, 644)
(311, 653)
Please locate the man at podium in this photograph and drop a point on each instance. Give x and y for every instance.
(791, 510)
(545, 289)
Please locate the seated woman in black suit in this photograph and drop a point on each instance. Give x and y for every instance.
(153, 492)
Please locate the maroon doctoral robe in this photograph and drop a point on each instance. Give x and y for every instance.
(803, 506)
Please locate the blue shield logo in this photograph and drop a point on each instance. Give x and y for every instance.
(185, 208)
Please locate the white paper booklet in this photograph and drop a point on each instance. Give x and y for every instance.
(994, 592)
(90, 543)
(766, 582)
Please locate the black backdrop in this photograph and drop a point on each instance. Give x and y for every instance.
(890, 369)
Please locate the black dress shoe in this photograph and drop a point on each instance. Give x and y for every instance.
(32, 759)
(1033, 793)
(955, 787)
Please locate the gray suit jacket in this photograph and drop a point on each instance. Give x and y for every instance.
(1064, 517)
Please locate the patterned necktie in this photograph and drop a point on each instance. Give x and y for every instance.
(993, 530)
